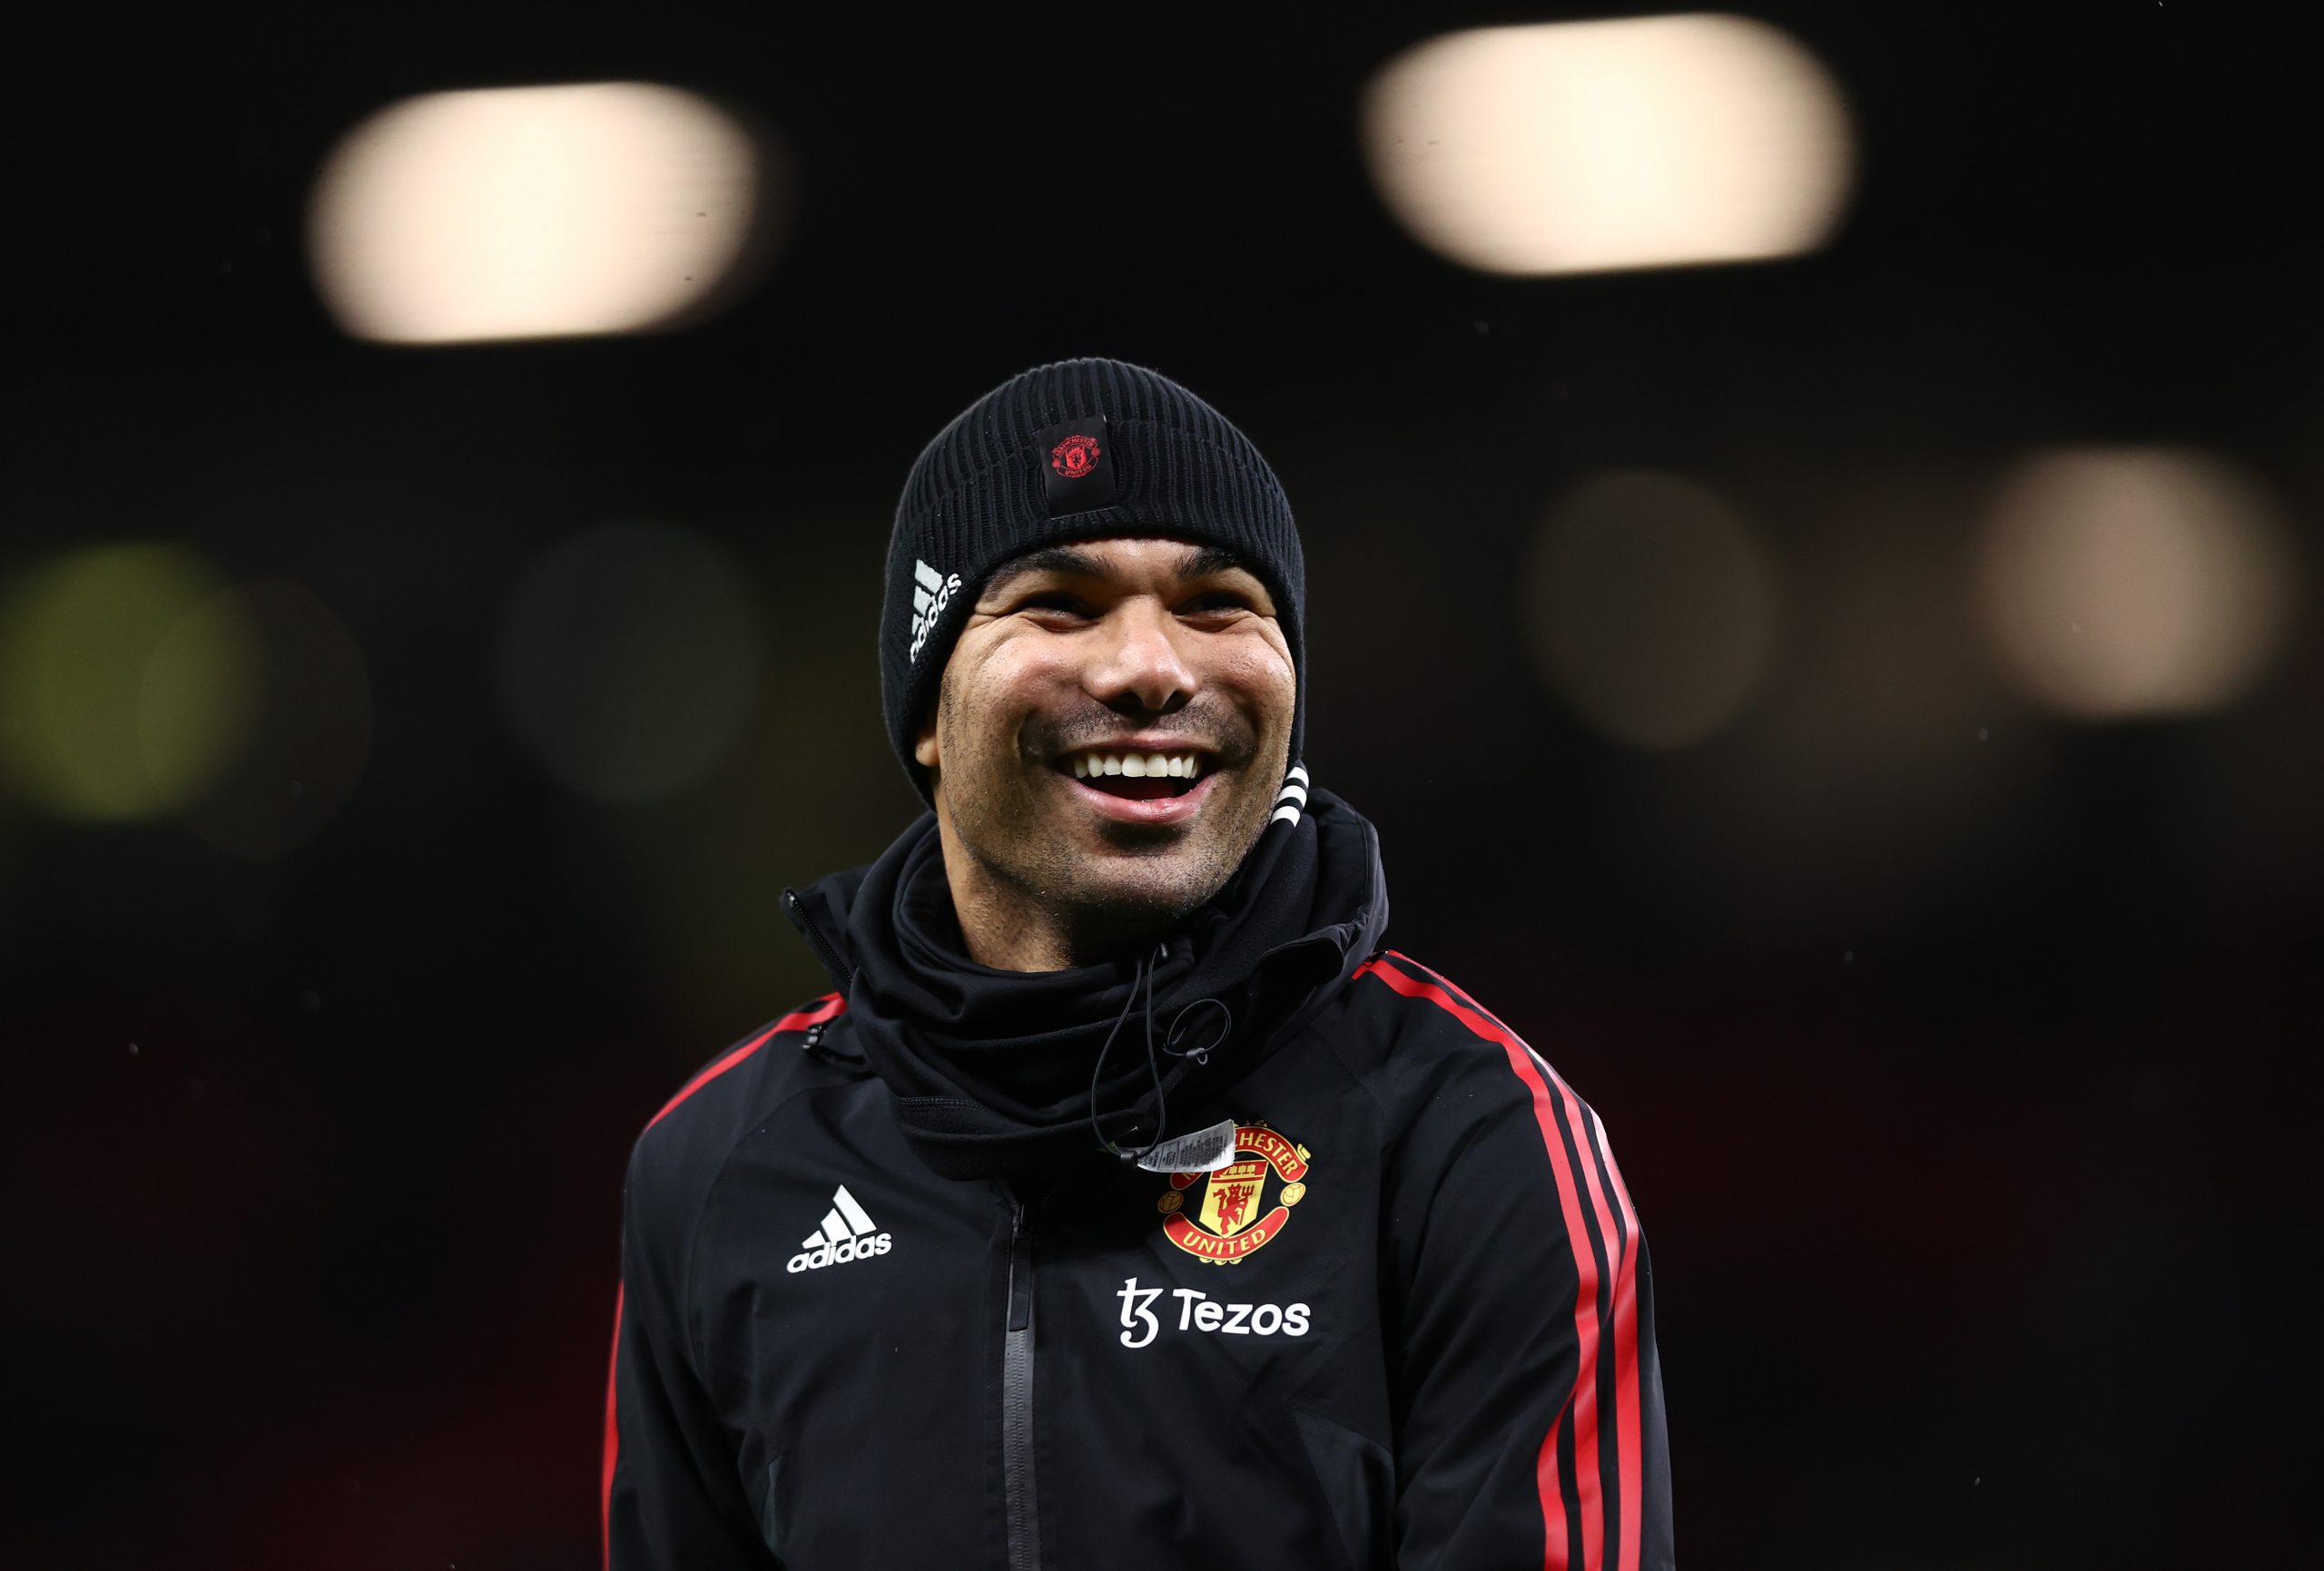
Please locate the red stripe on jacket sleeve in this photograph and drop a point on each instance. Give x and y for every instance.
(1590, 1139)
(1621, 1252)
(613, 1435)
(1538, 1080)
(831, 1006)
(1626, 1412)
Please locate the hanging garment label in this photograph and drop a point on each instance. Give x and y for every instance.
(1203, 1151)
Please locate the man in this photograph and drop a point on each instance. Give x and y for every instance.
(1125, 1205)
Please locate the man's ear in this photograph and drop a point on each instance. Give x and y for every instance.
(925, 752)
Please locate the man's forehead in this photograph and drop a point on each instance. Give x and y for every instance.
(1112, 555)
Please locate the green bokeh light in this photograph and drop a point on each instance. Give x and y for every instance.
(122, 694)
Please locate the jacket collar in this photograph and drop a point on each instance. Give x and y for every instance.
(990, 1072)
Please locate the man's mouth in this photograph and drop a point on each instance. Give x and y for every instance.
(1135, 776)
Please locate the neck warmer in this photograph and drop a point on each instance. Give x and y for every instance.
(990, 1071)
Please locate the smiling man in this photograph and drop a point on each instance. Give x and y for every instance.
(1126, 1205)
(1084, 822)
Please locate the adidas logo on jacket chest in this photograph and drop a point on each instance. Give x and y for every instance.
(848, 1234)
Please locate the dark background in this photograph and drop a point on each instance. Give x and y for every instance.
(1965, 1086)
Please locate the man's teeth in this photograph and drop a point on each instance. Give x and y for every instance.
(1137, 765)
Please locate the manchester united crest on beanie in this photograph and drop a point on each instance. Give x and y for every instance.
(1078, 450)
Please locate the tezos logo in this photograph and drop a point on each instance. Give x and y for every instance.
(1198, 1311)
(1075, 456)
(848, 1234)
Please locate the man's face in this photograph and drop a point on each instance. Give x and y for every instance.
(1113, 728)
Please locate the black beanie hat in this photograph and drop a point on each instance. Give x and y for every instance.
(1077, 450)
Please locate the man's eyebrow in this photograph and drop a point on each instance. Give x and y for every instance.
(1211, 559)
(1067, 562)
(1060, 559)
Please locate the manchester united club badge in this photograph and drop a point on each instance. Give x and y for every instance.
(1232, 1218)
(1075, 456)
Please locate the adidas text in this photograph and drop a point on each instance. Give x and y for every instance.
(839, 1253)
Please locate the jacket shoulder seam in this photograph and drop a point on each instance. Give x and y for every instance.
(830, 1006)
(751, 1127)
(1357, 1077)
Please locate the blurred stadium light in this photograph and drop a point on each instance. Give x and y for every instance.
(628, 660)
(533, 211)
(2127, 582)
(1650, 609)
(1590, 146)
(116, 702)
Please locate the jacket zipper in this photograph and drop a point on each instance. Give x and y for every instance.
(815, 940)
(1019, 1502)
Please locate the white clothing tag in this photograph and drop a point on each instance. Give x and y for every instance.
(1203, 1151)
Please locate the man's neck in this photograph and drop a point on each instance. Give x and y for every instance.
(1007, 937)
(1010, 927)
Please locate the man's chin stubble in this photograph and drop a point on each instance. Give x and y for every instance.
(1154, 897)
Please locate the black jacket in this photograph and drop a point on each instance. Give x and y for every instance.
(1408, 1324)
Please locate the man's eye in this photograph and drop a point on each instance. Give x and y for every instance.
(1056, 600)
(1217, 600)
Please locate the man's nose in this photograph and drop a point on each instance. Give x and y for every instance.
(1141, 665)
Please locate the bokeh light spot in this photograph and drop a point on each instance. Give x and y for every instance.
(628, 661)
(532, 211)
(1650, 609)
(78, 640)
(2125, 581)
(1587, 146)
(198, 699)
(308, 725)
